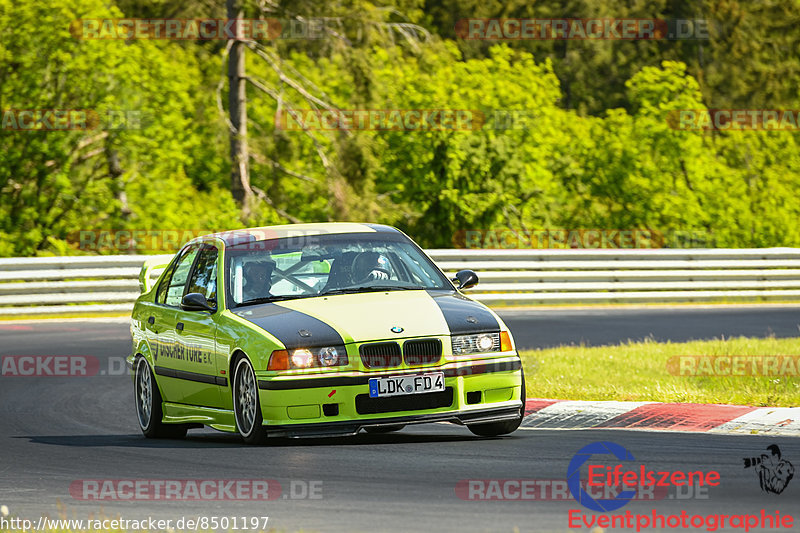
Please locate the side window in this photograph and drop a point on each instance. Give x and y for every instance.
(178, 280)
(161, 295)
(204, 277)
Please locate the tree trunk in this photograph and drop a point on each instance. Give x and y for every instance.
(118, 186)
(237, 108)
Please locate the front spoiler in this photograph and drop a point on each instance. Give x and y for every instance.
(351, 427)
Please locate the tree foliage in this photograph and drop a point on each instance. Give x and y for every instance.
(576, 134)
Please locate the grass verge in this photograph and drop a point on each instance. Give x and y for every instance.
(644, 371)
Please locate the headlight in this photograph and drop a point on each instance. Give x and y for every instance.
(302, 358)
(480, 343)
(329, 356)
(326, 356)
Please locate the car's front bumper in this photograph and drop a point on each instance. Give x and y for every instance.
(351, 427)
(475, 392)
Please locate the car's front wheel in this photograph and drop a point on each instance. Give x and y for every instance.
(494, 429)
(148, 406)
(246, 406)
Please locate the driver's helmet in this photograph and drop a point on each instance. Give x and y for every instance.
(369, 266)
(257, 277)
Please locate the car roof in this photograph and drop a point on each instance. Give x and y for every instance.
(239, 236)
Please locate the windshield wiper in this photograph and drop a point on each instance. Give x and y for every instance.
(267, 299)
(369, 288)
(346, 290)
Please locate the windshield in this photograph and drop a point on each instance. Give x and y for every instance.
(316, 265)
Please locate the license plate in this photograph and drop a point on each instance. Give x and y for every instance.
(399, 385)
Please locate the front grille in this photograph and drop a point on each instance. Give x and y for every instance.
(409, 402)
(422, 352)
(380, 354)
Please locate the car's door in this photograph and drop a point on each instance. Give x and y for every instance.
(195, 333)
(150, 315)
(168, 353)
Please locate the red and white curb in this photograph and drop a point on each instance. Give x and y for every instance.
(680, 417)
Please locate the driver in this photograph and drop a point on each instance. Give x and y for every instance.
(257, 279)
(370, 266)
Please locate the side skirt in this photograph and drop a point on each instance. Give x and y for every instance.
(219, 419)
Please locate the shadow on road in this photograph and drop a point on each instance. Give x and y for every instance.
(210, 440)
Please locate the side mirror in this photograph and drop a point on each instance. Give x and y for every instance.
(194, 301)
(466, 279)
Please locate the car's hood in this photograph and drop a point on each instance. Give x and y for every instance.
(370, 317)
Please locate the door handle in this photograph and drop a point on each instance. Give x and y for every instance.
(151, 320)
(179, 326)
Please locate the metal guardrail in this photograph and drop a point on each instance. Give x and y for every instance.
(108, 284)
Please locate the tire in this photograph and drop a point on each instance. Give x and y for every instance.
(385, 429)
(246, 404)
(148, 406)
(494, 429)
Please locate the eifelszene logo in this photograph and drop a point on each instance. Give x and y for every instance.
(774, 472)
(625, 477)
(574, 476)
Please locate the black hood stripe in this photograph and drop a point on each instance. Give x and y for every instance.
(464, 316)
(286, 325)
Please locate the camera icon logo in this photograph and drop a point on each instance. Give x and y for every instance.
(774, 472)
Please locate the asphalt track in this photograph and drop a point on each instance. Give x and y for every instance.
(55, 431)
(597, 327)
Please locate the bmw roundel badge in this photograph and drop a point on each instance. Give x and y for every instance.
(397, 329)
